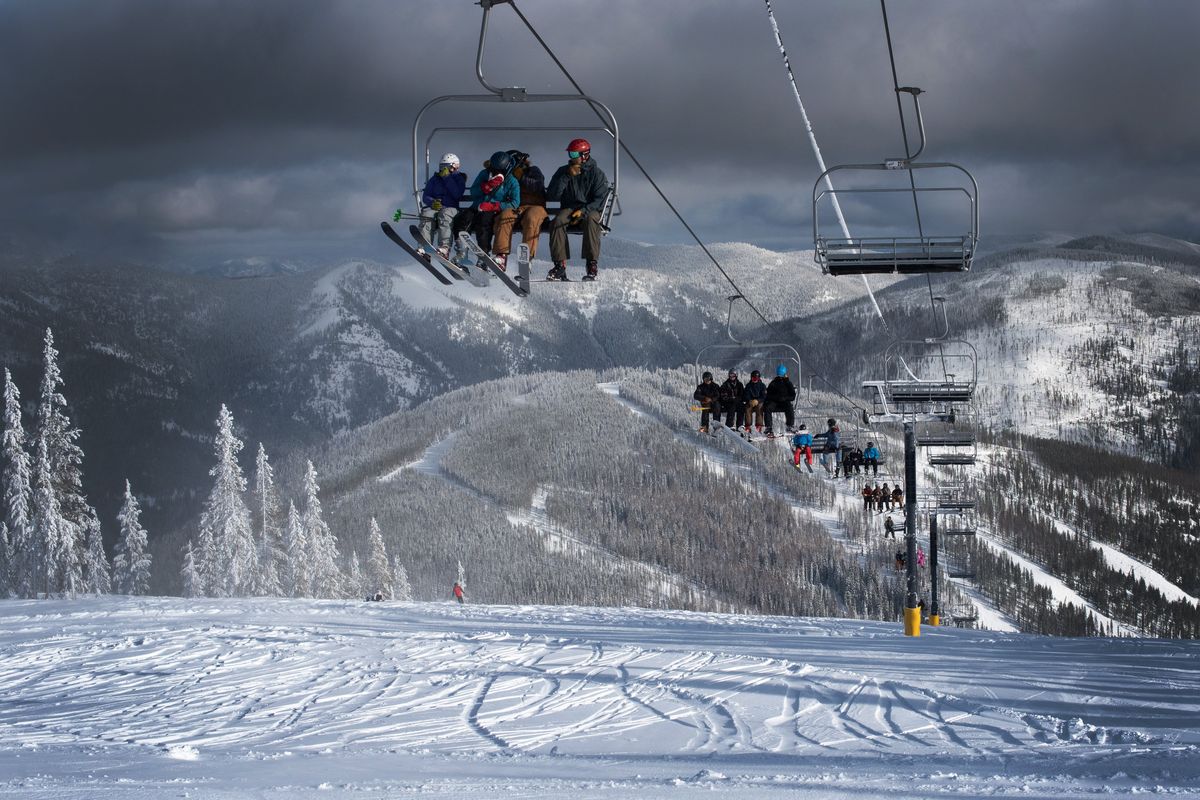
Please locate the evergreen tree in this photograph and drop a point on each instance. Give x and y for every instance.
(6, 557)
(462, 576)
(97, 578)
(132, 563)
(295, 547)
(401, 590)
(192, 585)
(65, 460)
(51, 541)
(325, 579)
(379, 576)
(270, 555)
(228, 557)
(25, 564)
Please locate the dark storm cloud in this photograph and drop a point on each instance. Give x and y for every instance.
(207, 116)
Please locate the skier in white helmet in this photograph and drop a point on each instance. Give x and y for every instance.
(439, 203)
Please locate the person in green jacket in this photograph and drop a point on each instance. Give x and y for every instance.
(582, 189)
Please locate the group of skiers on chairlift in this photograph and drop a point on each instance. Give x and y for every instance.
(881, 498)
(744, 404)
(511, 192)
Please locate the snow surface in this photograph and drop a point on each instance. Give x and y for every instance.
(166, 697)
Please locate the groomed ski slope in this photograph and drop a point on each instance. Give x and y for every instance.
(166, 697)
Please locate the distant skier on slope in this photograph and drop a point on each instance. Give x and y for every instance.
(707, 394)
(458, 592)
(780, 396)
(920, 556)
(889, 527)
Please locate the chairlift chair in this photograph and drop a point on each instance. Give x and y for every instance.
(515, 95)
(917, 253)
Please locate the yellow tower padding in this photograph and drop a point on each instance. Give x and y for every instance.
(912, 622)
(935, 620)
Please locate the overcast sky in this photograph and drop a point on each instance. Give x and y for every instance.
(233, 124)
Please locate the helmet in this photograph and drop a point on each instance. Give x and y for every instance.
(706, 376)
(733, 373)
(501, 162)
(781, 370)
(831, 422)
(870, 444)
(579, 146)
(518, 156)
(754, 374)
(803, 427)
(451, 159)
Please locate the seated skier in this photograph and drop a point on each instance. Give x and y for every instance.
(707, 394)
(496, 194)
(754, 398)
(802, 446)
(871, 459)
(780, 396)
(439, 203)
(730, 397)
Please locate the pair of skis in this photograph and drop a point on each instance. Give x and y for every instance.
(479, 275)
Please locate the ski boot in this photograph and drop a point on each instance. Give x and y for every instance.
(501, 260)
(592, 270)
(444, 252)
(558, 272)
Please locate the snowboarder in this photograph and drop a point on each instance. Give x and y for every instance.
(497, 195)
(832, 446)
(889, 527)
(871, 458)
(754, 396)
(458, 592)
(730, 396)
(530, 214)
(802, 446)
(780, 396)
(582, 188)
(707, 394)
(439, 203)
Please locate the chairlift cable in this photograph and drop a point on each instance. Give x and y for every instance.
(695, 237)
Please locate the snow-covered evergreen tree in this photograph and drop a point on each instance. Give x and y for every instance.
(325, 579)
(270, 555)
(65, 460)
(132, 562)
(295, 548)
(190, 573)
(462, 576)
(25, 563)
(6, 558)
(401, 589)
(97, 578)
(379, 576)
(228, 557)
(52, 540)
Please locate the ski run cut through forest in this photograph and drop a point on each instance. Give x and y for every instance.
(274, 698)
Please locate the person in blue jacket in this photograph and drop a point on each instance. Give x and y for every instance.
(871, 458)
(494, 192)
(832, 446)
(755, 398)
(439, 202)
(802, 446)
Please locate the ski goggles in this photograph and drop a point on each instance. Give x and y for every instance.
(574, 154)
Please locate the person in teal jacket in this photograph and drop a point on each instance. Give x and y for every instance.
(802, 446)
(871, 458)
(494, 192)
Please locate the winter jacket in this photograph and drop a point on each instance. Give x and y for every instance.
(586, 190)
(781, 391)
(897, 495)
(508, 195)
(755, 390)
(802, 440)
(707, 393)
(449, 190)
(871, 452)
(833, 440)
(533, 187)
(731, 392)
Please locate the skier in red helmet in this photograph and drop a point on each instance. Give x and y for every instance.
(581, 187)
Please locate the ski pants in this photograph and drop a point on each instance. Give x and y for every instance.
(713, 408)
(444, 219)
(734, 415)
(530, 219)
(868, 501)
(753, 409)
(828, 457)
(789, 416)
(806, 452)
(560, 250)
(483, 224)
(873, 464)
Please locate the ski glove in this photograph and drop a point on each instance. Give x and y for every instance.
(436, 205)
(577, 214)
(487, 206)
